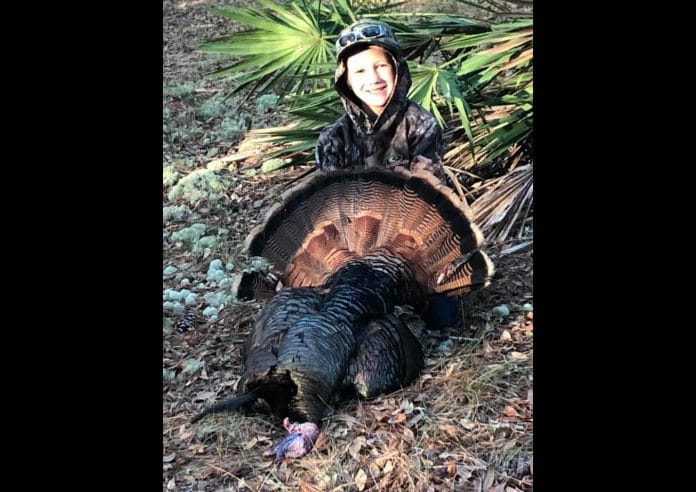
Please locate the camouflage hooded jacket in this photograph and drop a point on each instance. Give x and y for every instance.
(404, 135)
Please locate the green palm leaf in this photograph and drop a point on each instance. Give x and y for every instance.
(476, 79)
(283, 43)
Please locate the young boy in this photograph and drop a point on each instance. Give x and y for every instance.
(381, 127)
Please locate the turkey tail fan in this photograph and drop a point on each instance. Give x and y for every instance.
(331, 218)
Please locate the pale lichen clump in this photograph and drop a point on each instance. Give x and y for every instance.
(169, 176)
(218, 288)
(177, 213)
(201, 185)
(221, 279)
(189, 234)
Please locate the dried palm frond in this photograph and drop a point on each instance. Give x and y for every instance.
(504, 208)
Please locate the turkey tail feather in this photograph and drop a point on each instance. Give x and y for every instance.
(473, 274)
(331, 219)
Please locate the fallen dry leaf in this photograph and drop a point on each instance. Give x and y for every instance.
(406, 405)
(321, 441)
(339, 431)
(355, 447)
(425, 377)
(381, 415)
(185, 434)
(360, 479)
(467, 424)
(518, 356)
(204, 396)
(510, 411)
(408, 435)
(197, 448)
(448, 429)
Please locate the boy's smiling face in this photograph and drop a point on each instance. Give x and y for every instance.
(371, 77)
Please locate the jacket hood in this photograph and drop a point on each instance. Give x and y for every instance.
(353, 106)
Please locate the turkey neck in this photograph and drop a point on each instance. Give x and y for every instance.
(371, 285)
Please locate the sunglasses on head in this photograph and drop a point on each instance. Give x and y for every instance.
(369, 31)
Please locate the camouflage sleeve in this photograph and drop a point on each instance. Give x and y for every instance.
(426, 142)
(330, 149)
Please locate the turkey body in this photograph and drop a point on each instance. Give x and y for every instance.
(303, 352)
(352, 252)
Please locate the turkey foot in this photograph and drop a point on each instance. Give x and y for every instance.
(297, 443)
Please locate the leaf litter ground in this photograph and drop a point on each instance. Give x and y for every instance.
(465, 424)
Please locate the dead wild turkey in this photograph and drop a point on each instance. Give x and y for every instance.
(351, 251)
